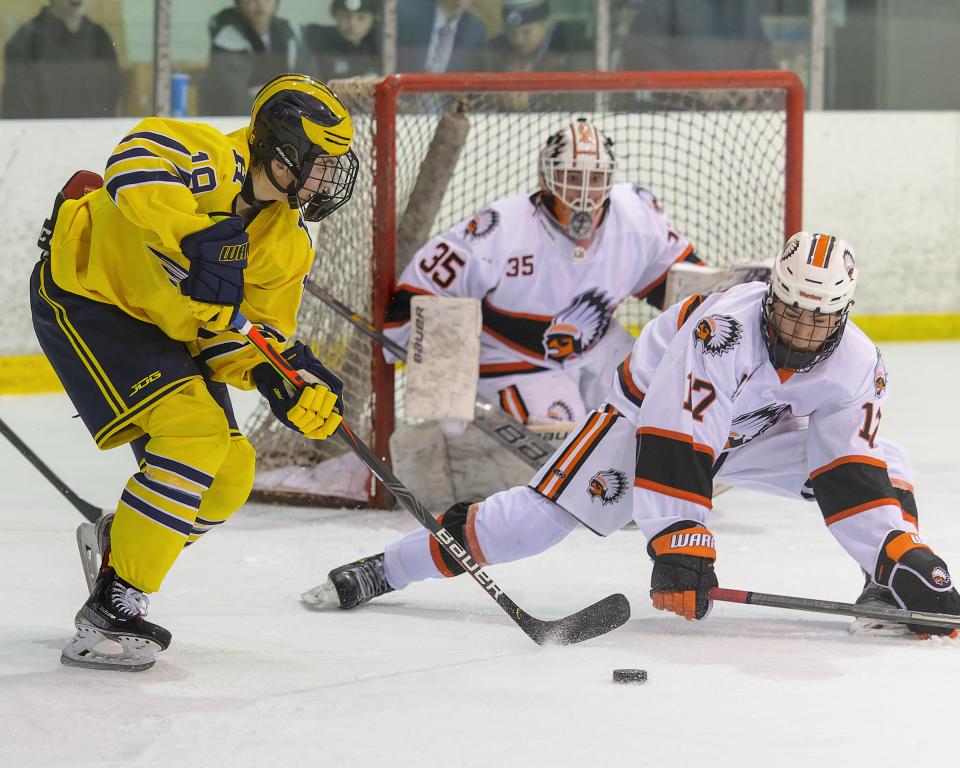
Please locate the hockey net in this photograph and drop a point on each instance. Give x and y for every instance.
(722, 151)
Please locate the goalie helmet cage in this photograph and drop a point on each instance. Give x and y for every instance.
(722, 151)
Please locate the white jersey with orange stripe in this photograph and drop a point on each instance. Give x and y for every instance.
(546, 300)
(708, 388)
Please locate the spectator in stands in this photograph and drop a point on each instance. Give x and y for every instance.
(532, 41)
(60, 64)
(249, 46)
(438, 36)
(697, 34)
(352, 47)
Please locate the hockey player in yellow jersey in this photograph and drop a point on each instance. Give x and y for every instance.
(133, 301)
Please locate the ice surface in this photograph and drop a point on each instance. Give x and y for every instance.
(436, 675)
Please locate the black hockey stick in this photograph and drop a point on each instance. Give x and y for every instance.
(897, 615)
(490, 419)
(85, 508)
(595, 620)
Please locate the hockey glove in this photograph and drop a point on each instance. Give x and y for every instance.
(316, 410)
(683, 576)
(214, 283)
(918, 579)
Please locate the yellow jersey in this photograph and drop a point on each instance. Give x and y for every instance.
(121, 244)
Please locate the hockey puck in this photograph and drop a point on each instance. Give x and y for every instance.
(637, 676)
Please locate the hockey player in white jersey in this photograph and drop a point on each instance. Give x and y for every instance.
(768, 387)
(550, 269)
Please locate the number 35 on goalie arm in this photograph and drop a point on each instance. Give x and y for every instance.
(443, 265)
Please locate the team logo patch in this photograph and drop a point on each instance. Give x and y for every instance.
(608, 486)
(750, 425)
(789, 249)
(940, 577)
(717, 334)
(880, 377)
(482, 224)
(575, 329)
(849, 263)
(560, 411)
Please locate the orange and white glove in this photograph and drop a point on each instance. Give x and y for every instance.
(683, 576)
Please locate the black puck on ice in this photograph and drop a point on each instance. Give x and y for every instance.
(636, 676)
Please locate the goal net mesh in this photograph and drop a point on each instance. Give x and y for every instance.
(714, 157)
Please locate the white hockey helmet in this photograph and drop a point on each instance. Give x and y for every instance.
(811, 292)
(576, 174)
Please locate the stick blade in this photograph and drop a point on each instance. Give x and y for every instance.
(594, 620)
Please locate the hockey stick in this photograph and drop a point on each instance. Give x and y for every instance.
(595, 620)
(898, 615)
(85, 508)
(490, 419)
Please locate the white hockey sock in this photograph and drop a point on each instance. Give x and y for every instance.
(510, 525)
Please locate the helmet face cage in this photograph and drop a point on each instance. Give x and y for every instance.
(576, 169)
(326, 183)
(803, 337)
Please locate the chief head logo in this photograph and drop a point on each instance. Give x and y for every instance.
(880, 377)
(575, 329)
(940, 577)
(482, 224)
(716, 334)
(608, 486)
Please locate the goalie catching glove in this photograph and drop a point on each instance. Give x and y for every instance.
(218, 256)
(316, 410)
(683, 576)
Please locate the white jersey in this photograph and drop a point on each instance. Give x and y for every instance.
(703, 375)
(546, 301)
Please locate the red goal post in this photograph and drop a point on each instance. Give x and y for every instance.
(723, 151)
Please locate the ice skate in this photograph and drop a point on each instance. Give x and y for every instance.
(350, 585)
(93, 539)
(111, 630)
(875, 596)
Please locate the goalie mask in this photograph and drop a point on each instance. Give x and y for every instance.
(811, 292)
(576, 174)
(301, 123)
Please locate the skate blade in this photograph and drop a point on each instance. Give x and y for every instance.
(321, 598)
(89, 553)
(877, 628)
(92, 649)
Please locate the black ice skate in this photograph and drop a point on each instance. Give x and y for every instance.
(93, 539)
(350, 585)
(875, 596)
(111, 630)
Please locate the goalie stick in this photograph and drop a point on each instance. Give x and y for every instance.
(597, 619)
(489, 418)
(898, 615)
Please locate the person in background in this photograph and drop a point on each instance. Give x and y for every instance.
(695, 35)
(533, 41)
(352, 47)
(249, 45)
(438, 36)
(60, 64)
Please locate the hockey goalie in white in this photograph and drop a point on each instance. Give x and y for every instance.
(768, 387)
(550, 269)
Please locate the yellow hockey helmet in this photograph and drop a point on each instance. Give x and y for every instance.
(302, 124)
